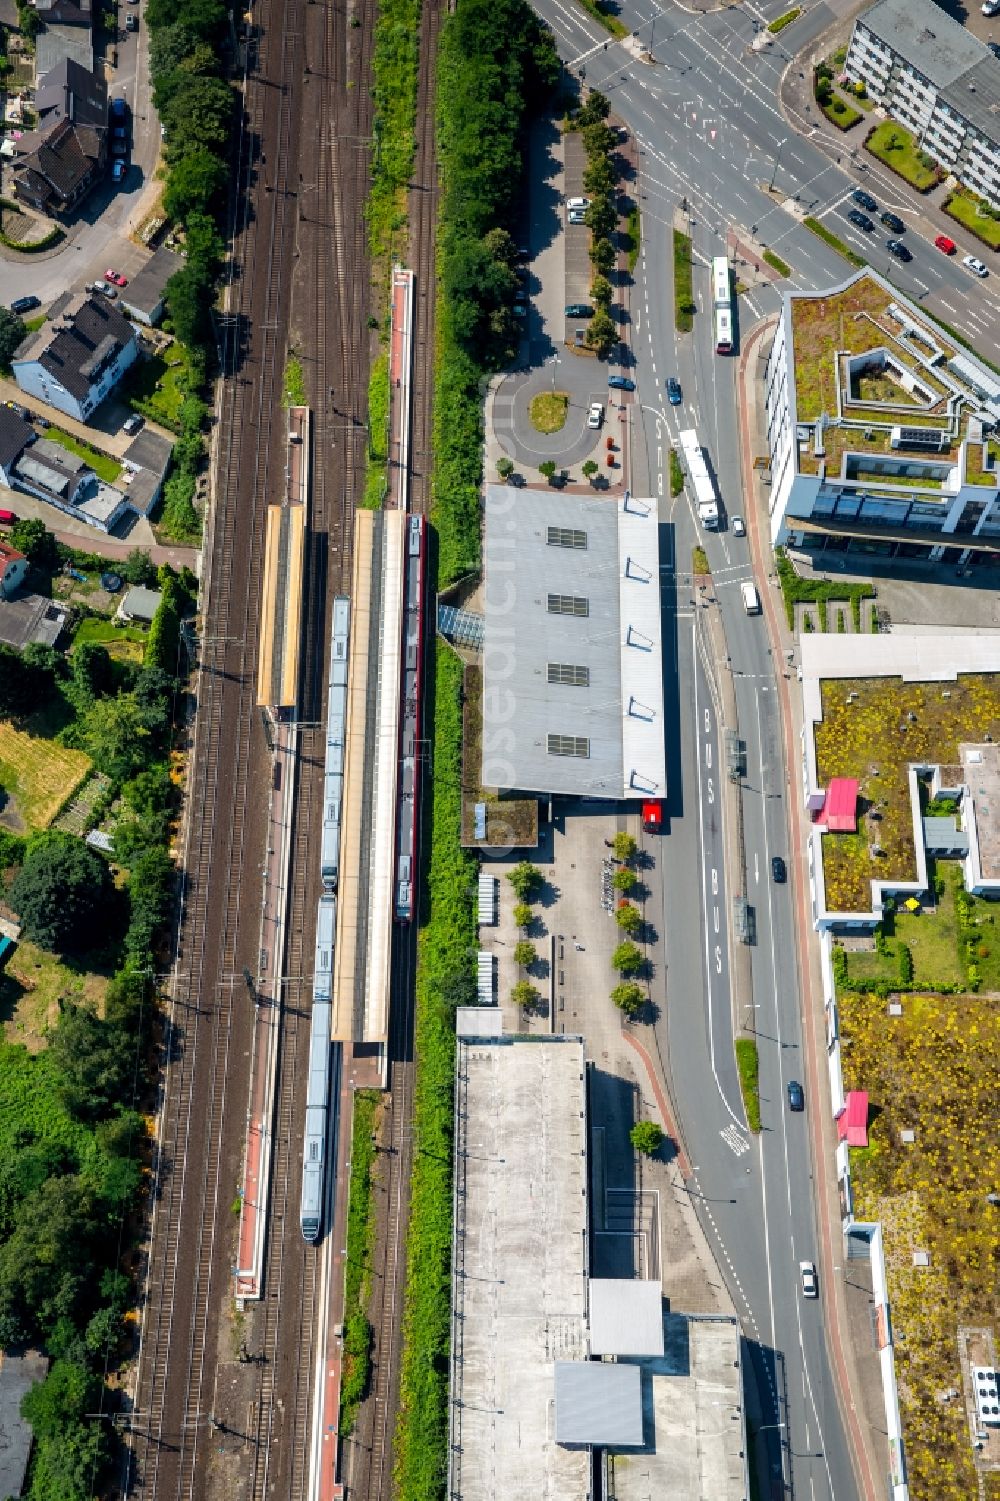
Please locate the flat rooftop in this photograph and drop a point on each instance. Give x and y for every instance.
(981, 771)
(693, 1413)
(919, 29)
(519, 1265)
(572, 656)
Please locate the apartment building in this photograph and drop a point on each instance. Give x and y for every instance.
(883, 433)
(937, 80)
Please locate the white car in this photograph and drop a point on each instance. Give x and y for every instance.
(991, 7)
(596, 414)
(975, 266)
(577, 216)
(807, 1272)
(738, 526)
(580, 203)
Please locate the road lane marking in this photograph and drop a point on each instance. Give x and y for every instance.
(735, 1140)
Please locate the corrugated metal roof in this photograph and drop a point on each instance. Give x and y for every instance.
(598, 1404)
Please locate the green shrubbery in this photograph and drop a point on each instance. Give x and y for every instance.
(71, 1134)
(798, 590)
(748, 1064)
(358, 1270)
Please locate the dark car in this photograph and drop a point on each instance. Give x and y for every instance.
(864, 199)
(861, 220)
(621, 383)
(118, 108)
(24, 304)
(796, 1097)
(674, 391)
(893, 222)
(579, 310)
(898, 249)
(778, 870)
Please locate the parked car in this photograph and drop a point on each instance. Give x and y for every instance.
(898, 249)
(104, 288)
(133, 424)
(864, 200)
(24, 304)
(118, 171)
(673, 391)
(119, 143)
(991, 7)
(116, 276)
(577, 216)
(621, 383)
(778, 871)
(807, 1272)
(944, 243)
(132, 23)
(7, 518)
(579, 310)
(893, 222)
(596, 414)
(118, 107)
(738, 526)
(577, 203)
(971, 263)
(796, 1096)
(861, 220)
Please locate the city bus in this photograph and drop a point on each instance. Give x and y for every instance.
(722, 304)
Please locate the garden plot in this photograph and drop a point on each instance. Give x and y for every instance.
(38, 777)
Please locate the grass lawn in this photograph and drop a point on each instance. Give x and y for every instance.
(684, 308)
(897, 148)
(105, 467)
(676, 473)
(548, 411)
(31, 985)
(611, 23)
(834, 242)
(294, 393)
(34, 324)
(840, 113)
(964, 207)
(699, 560)
(931, 1070)
(747, 1062)
(931, 937)
(156, 386)
(38, 774)
(777, 264)
(780, 22)
(125, 643)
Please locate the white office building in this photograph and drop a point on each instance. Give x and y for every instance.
(884, 434)
(937, 80)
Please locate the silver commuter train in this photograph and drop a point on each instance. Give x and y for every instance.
(320, 1043)
(318, 1085)
(336, 730)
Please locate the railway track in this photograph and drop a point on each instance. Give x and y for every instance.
(208, 1027)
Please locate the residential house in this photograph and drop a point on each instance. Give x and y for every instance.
(59, 162)
(77, 359)
(67, 31)
(15, 436)
(53, 474)
(13, 570)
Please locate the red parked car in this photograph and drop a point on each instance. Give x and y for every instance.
(116, 276)
(943, 243)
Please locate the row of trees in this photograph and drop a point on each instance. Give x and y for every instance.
(600, 174)
(197, 106)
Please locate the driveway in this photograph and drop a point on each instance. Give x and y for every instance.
(99, 237)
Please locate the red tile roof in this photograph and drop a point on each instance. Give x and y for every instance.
(852, 1122)
(840, 809)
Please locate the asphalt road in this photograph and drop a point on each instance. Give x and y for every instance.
(99, 238)
(710, 131)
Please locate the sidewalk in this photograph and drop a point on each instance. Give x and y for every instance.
(804, 115)
(858, 1423)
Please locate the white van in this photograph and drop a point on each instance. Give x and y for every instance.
(751, 599)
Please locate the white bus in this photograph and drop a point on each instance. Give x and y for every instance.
(722, 303)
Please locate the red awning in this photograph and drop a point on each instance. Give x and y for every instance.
(852, 1122)
(840, 808)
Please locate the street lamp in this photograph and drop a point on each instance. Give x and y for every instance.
(554, 362)
(777, 159)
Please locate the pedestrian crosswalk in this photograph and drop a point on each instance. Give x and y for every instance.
(735, 1139)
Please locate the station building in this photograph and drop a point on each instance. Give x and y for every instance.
(882, 430)
(572, 650)
(939, 81)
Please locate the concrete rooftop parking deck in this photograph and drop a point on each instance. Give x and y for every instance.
(519, 1292)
